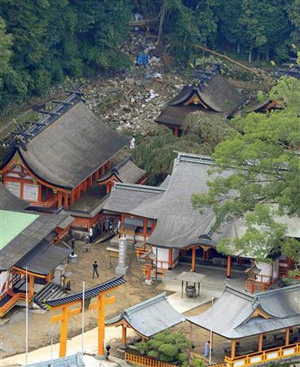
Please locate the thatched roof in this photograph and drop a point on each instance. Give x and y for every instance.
(216, 95)
(70, 146)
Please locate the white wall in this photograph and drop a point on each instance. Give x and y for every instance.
(162, 255)
(268, 269)
(3, 280)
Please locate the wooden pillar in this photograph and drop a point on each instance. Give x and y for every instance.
(287, 336)
(85, 186)
(145, 229)
(109, 164)
(124, 336)
(228, 272)
(31, 285)
(72, 198)
(91, 181)
(66, 201)
(39, 192)
(193, 259)
(102, 170)
(64, 332)
(176, 131)
(59, 203)
(170, 260)
(233, 342)
(21, 190)
(260, 342)
(97, 175)
(101, 324)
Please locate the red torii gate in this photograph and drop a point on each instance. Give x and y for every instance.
(64, 304)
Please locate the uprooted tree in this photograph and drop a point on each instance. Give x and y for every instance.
(261, 156)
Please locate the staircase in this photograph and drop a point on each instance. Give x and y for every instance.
(51, 291)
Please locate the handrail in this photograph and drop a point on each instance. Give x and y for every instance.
(272, 354)
(12, 302)
(145, 361)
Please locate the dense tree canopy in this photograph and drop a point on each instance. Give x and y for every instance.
(43, 41)
(261, 152)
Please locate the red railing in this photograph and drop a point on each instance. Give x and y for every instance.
(12, 302)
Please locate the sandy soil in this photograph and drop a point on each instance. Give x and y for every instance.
(12, 333)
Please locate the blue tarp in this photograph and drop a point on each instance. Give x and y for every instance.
(142, 59)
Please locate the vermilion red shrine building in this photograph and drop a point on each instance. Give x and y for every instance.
(55, 161)
(162, 221)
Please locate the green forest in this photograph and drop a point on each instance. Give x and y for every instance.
(43, 41)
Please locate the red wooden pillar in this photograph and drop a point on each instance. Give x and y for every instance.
(193, 259)
(39, 192)
(102, 170)
(91, 181)
(97, 175)
(72, 198)
(170, 261)
(228, 272)
(66, 201)
(145, 229)
(109, 165)
(22, 190)
(59, 203)
(176, 131)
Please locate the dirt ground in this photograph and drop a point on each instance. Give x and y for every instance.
(12, 333)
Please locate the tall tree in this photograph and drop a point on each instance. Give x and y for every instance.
(261, 155)
(5, 49)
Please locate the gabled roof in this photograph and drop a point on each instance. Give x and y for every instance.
(248, 315)
(125, 197)
(69, 147)
(126, 171)
(150, 317)
(41, 228)
(74, 360)
(43, 258)
(88, 294)
(178, 223)
(215, 95)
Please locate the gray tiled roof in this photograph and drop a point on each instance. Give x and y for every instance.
(150, 317)
(281, 305)
(125, 197)
(74, 360)
(72, 147)
(178, 223)
(31, 236)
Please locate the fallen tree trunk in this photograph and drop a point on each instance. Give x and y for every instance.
(260, 74)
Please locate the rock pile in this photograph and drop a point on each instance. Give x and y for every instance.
(133, 99)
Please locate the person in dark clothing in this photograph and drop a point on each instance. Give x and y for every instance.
(107, 351)
(95, 269)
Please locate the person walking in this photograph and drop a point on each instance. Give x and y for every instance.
(107, 351)
(95, 269)
(206, 349)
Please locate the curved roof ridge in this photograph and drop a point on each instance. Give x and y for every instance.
(289, 288)
(137, 187)
(238, 292)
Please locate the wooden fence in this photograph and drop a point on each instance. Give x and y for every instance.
(145, 361)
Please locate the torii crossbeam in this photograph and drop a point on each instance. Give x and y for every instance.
(64, 304)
